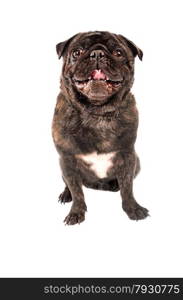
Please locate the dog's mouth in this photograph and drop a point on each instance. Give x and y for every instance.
(98, 76)
(98, 87)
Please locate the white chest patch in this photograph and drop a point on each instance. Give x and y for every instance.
(99, 163)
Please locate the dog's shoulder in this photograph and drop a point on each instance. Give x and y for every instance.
(128, 110)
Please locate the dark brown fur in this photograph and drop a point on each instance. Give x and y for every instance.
(82, 125)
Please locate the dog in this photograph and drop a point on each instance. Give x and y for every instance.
(95, 120)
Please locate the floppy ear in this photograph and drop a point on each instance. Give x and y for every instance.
(135, 50)
(61, 47)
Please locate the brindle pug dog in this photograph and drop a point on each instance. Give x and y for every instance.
(96, 119)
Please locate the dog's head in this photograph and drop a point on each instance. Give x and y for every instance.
(98, 64)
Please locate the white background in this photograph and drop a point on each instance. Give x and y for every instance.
(34, 240)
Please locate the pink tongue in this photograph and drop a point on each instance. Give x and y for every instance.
(97, 75)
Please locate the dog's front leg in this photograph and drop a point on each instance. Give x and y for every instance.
(125, 176)
(74, 184)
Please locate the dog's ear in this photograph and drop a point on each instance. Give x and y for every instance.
(61, 47)
(135, 50)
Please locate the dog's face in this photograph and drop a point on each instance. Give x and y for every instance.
(98, 64)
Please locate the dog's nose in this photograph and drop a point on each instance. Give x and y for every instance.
(97, 54)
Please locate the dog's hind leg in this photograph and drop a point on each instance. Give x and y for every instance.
(137, 166)
(111, 185)
(65, 196)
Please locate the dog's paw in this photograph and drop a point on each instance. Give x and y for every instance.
(65, 196)
(135, 211)
(74, 218)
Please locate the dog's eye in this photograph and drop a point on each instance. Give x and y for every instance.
(117, 53)
(77, 53)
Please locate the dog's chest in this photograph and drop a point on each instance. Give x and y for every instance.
(98, 163)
